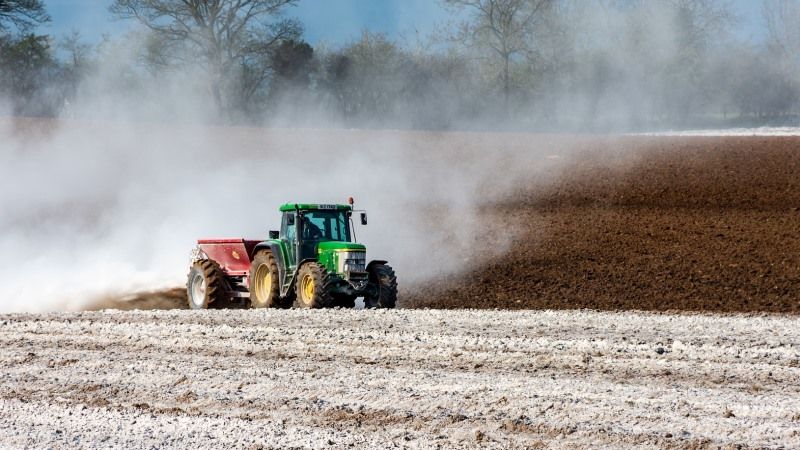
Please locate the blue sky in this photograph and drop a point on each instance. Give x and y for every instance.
(330, 21)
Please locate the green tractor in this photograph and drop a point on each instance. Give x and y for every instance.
(312, 262)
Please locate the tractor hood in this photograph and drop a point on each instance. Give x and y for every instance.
(338, 246)
(346, 259)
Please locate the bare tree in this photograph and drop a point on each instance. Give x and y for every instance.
(76, 61)
(699, 23)
(22, 14)
(699, 27)
(504, 27)
(782, 18)
(223, 35)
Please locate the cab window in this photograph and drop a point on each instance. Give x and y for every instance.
(326, 226)
(288, 231)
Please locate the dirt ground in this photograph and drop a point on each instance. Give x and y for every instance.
(627, 223)
(404, 378)
(700, 224)
(685, 224)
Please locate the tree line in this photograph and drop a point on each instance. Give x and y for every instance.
(589, 65)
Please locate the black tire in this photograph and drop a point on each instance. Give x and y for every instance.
(205, 287)
(384, 284)
(344, 301)
(312, 287)
(265, 291)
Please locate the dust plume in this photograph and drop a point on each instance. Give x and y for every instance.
(98, 208)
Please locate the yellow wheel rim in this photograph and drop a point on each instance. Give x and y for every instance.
(263, 283)
(307, 289)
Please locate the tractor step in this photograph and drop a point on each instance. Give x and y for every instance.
(287, 284)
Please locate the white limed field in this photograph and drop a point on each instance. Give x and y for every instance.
(420, 378)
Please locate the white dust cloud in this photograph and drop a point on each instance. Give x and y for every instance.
(98, 208)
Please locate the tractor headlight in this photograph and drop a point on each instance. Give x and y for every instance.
(352, 262)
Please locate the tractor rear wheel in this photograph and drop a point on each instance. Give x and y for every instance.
(264, 286)
(312, 287)
(384, 283)
(206, 285)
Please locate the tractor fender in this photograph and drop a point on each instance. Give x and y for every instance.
(300, 264)
(374, 263)
(277, 253)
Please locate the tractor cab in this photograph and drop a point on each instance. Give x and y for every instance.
(305, 226)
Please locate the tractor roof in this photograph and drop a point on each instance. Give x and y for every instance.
(306, 206)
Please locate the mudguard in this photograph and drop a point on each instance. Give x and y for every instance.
(373, 263)
(277, 253)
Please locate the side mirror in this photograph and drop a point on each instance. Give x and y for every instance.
(290, 220)
(273, 234)
(363, 218)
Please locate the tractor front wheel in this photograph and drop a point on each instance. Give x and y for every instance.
(206, 285)
(384, 287)
(312, 287)
(264, 287)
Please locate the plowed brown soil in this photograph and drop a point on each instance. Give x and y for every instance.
(703, 224)
(646, 223)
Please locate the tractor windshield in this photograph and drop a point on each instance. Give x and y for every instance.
(319, 225)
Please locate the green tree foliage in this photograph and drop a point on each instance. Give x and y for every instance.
(293, 68)
(292, 63)
(29, 74)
